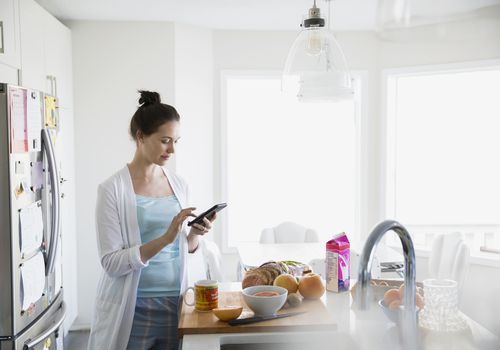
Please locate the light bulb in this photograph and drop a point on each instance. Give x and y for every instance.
(313, 43)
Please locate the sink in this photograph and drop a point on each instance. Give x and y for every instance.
(284, 341)
(265, 346)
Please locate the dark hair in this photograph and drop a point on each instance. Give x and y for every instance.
(151, 114)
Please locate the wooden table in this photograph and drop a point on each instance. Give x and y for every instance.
(316, 318)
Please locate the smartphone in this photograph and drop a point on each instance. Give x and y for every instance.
(207, 214)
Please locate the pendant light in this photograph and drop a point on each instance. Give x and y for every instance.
(316, 69)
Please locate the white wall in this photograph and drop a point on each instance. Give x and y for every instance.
(111, 61)
(194, 102)
(8, 74)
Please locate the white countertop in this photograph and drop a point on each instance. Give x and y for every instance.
(356, 330)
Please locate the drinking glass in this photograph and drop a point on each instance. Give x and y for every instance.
(441, 312)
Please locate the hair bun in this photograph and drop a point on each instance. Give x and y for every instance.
(148, 98)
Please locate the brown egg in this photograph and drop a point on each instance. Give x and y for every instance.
(402, 290)
(417, 289)
(420, 301)
(395, 305)
(390, 296)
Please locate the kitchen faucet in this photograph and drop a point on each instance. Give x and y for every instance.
(409, 316)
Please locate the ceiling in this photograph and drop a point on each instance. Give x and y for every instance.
(248, 14)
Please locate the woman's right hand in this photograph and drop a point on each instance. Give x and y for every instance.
(176, 224)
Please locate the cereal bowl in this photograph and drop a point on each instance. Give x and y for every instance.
(265, 300)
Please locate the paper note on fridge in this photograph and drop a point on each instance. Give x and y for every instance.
(31, 228)
(37, 175)
(17, 110)
(34, 119)
(32, 280)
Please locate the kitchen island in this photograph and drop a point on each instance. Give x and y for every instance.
(353, 330)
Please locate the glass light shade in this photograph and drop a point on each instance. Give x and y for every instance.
(316, 69)
(393, 14)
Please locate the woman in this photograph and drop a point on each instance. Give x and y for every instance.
(143, 239)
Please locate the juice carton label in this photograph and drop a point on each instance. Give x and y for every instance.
(338, 264)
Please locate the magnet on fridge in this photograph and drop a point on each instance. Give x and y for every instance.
(19, 167)
(19, 190)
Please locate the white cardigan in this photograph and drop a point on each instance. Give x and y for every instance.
(118, 242)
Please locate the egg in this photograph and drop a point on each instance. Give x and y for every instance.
(420, 301)
(390, 296)
(402, 291)
(395, 305)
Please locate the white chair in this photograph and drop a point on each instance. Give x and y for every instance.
(288, 232)
(213, 259)
(449, 258)
(205, 263)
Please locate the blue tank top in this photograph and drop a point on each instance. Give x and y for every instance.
(162, 277)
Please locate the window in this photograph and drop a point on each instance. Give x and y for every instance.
(286, 161)
(443, 153)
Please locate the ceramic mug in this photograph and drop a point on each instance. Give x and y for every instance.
(206, 295)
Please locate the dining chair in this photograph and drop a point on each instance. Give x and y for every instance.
(213, 260)
(449, 258)
(205, 263)
(288, 232)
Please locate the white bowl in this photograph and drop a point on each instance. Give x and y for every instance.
(265, 306)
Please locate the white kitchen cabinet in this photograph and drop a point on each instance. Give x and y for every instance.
(58, 61)
(45, 53)
(65, 147)
(32, 58)
(9, 33)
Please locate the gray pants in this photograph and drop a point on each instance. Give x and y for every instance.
(155, 324)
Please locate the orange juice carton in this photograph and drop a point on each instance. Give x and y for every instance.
(337, 268)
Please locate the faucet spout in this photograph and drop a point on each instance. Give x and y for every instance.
(409, 315)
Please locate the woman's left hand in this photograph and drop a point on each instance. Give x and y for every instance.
(199, 229)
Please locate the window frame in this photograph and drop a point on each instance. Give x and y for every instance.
(388, 201)
(361, 99)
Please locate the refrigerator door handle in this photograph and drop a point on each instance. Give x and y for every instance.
(32, 342)
(50, 78)
(55, 86)
(55, 212)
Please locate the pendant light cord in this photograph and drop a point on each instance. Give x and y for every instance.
(329, 13)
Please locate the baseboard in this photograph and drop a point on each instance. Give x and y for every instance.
(80, 327)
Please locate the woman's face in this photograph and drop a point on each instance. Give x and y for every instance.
(157, 148)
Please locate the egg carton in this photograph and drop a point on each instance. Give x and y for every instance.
(378, 287)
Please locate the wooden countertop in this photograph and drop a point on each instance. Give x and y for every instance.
(316, 318)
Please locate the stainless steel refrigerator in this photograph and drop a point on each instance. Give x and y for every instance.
(31, 299)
